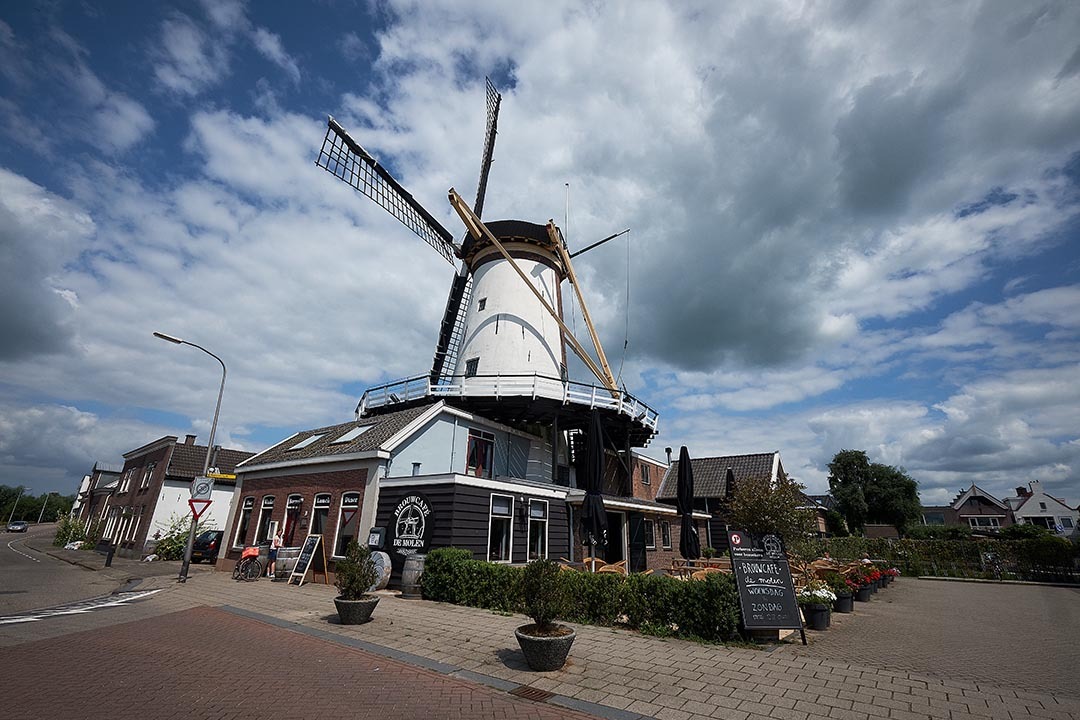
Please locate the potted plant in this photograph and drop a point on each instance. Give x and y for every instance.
(844, 589)
(354, 576)
(544, 643)
(708, 553)
(873, 576)
(860, 577)
(891, 574)
(815, 600)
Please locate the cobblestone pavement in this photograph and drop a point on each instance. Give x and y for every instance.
(1019, 636)
(626, 674)
(205, 663)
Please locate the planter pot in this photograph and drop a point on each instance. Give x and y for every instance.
(355, 612)
(887, 579)
(816, 616)
(844, 603)
(863, 594)
(545, 653)
(874, 586)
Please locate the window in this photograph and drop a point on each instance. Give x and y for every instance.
(262, 530)
(984, 522)
(482, 304)
(471, 366)
(351, 435)
(245, 520)
(125, 480)
(306, 441)
(538, 524)
(1042, 506)
(478, 457)
(933, 518)
(293, 506)
(1066, 523)
(146, 475)
(500, 522)
(665, 534)
(320, 515)
(646, 474)
(348, 522)
(649, 531)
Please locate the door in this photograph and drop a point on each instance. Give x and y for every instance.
(616, 537)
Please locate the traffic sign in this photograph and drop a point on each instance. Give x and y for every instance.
(198, 507)
(221, 476)
(202, 488)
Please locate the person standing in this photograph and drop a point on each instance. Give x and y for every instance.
(275, 544)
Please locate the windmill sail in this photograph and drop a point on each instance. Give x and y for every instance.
(343, 158)
(452, 329)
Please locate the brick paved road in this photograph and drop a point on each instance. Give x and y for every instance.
(206, 663)
(1019, 636)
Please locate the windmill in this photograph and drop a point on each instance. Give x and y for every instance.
(502, 341)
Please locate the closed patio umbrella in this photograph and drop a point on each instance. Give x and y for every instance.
(689, 545)
(593, 514)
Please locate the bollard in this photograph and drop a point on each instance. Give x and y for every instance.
(108, 558)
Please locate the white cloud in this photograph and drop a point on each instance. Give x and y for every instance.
(269, 45)
(188, 60)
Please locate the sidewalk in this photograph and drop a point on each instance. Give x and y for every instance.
(611, 672)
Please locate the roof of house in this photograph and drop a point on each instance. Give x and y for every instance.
(326, 441)
(976, 491)
(188, 460)
(710, 474)
(826, 501)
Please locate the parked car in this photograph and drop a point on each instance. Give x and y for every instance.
(18, 526)
(206, 546)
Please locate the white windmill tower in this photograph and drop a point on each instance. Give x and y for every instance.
(502, 343)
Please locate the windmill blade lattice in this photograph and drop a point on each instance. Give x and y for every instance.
(343, 158)
(494, 99)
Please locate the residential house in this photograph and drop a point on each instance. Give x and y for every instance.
(974, 508)
(1034, 506)
(154, 487)
(95, 492)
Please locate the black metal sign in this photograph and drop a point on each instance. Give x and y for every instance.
(310, 559)
(762, 575)
(411, 525)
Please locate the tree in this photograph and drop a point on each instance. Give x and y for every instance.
(1023, 531)
(892, 497)
(872, 492)
(834, 524)
(849, 472)
(760, 507)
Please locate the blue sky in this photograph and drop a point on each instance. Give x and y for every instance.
(852, 226)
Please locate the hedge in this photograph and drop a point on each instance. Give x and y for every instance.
(702, 609)
(1048, 558)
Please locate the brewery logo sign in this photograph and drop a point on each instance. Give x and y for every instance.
(412, 522)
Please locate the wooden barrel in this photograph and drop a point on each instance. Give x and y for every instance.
(411, 573)
(286, 561)
(382, 564)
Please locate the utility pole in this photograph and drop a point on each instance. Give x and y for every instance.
(21, 491)
(43, 505)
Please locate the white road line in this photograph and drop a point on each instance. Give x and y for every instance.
(79, 607)
(18, 552)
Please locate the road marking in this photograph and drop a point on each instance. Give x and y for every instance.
(19, 552)
(84, 606)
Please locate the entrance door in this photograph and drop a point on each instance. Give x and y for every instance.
(616, 537)
(637, 542)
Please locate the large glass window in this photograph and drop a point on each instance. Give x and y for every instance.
(146, 475)
(320, 516)
(244, 522)
(348, 522)
(1066, 523)
(293, 506)
(500, 528)
(650, 534)
(262, 530)
(538, 529)
(983, 522)
(480, 453)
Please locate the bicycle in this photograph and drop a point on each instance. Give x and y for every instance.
(248, 566)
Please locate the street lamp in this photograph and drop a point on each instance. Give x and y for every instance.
(209, 445)
(43, 506)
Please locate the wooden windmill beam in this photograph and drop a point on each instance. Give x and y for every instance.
(553, 233)
(478, 230)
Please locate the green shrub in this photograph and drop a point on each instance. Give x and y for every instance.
(544, 596)
(1023, 531)
(708, 609)
(443, 574)
(355, 573)
(173, 542)
(593, 597)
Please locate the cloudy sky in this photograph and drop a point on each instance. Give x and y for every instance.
(852, 225)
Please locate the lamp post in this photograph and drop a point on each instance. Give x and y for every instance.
(43, 506)
(209, 445)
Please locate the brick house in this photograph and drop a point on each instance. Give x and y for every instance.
(974, 508)
(95, 492)
(715, 479)
(154, 486)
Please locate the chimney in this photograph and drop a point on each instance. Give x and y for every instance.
(1023, 492)
(668, 451)
(189, 440)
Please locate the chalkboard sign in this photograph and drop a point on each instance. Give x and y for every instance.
(762, 575)
(312, 557)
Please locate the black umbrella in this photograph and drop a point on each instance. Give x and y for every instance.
(689, 545)
(593, 515)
